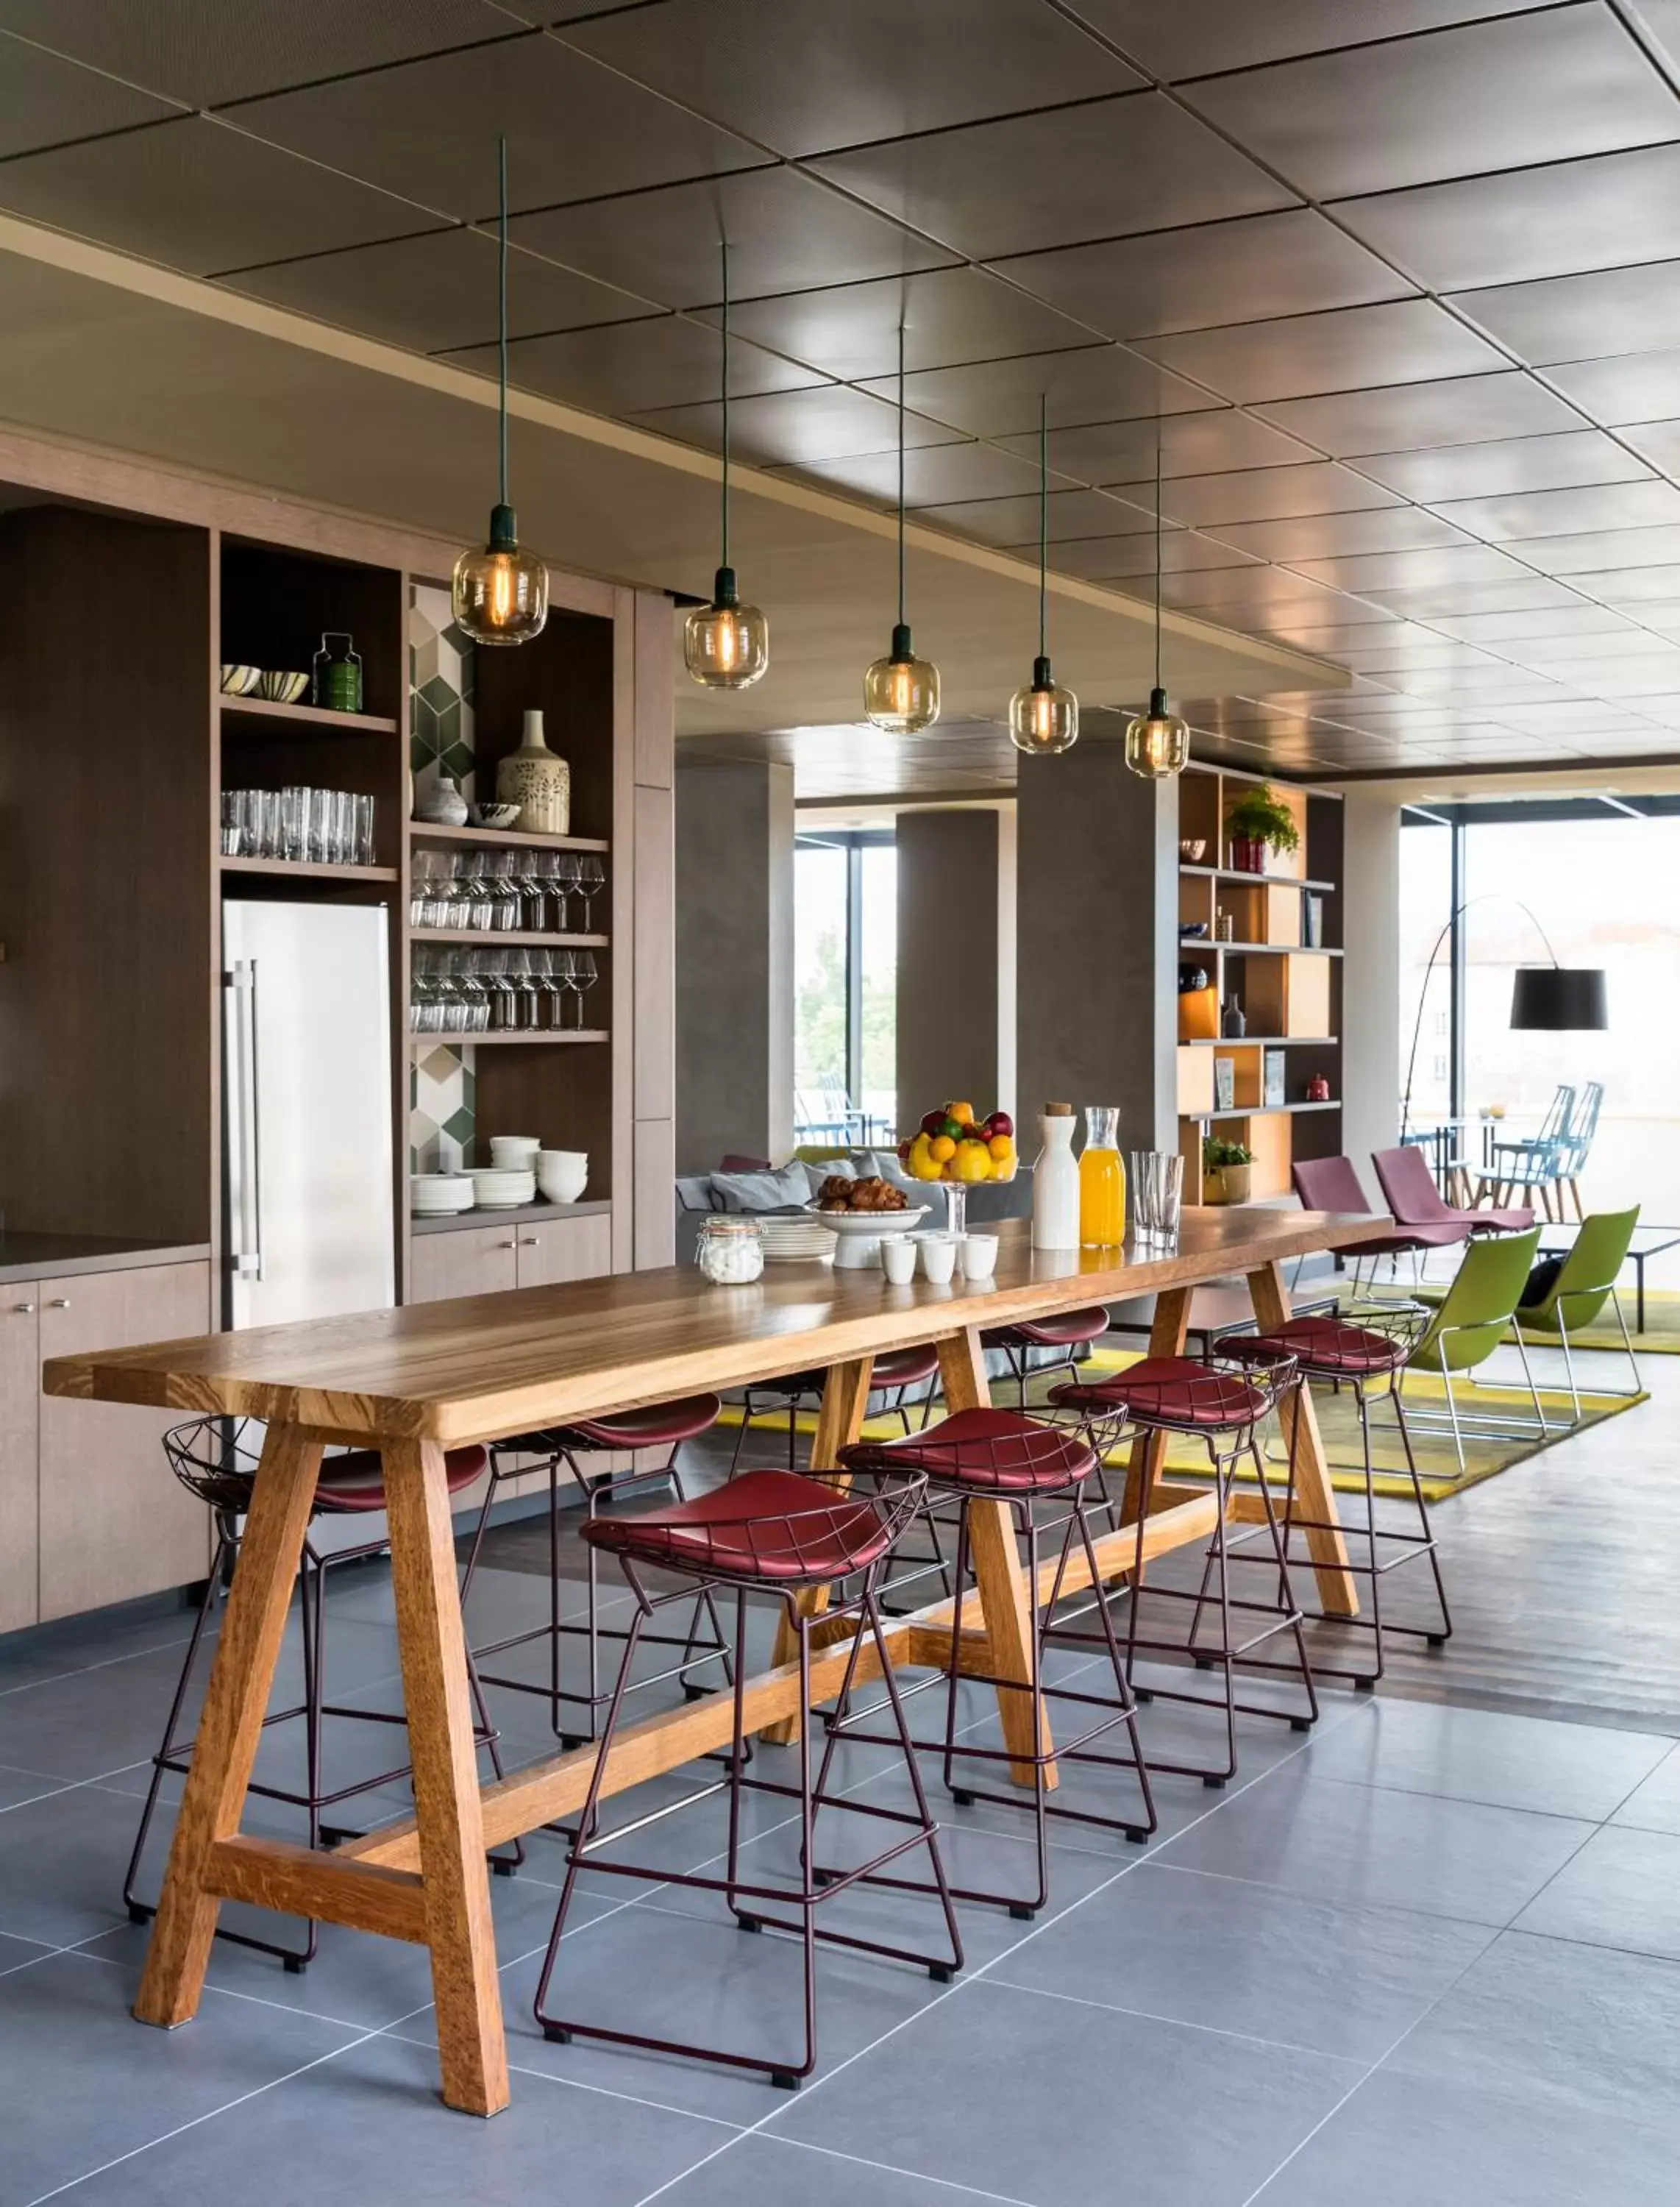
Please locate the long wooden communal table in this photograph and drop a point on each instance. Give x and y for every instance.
(417, 1381)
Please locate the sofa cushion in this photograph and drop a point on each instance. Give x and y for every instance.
(762, 1190)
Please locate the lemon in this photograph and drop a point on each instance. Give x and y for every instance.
(971, 1163)
(925, 1167)
(942, 1146)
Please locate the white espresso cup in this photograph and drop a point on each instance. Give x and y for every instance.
(979, 1256)
(939, 1257)
(898, 1258)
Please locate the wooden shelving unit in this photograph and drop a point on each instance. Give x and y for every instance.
(546, 1038)
(1289, 988)
(302, 717)
(421, 832)
(303, 870)
(489, 937)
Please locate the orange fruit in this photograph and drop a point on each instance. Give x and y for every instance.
(962, 1113)
(941, 1147)
(1001, 1147)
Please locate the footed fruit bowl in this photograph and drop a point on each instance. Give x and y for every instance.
(951, 1145)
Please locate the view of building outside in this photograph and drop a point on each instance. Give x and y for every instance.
(824, 1087)
(1607, 894)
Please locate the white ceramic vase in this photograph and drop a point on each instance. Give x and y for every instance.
(539, 781)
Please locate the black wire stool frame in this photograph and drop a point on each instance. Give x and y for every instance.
(562, 1447)
(1391, 1332)
(1223, 1406)
(216, 1459)
(798, 1536)
(1003, 1454)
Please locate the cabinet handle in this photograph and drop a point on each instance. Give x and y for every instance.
(23, 1308)
(528, 1242)
(59, 1302)
(507, 1245)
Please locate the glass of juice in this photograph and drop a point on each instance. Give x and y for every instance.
(1101, 1181)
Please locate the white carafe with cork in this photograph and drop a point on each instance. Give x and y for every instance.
(1056, 1181)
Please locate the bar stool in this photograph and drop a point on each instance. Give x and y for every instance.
(782, 1534)
(216, 1458)
(1368, 1347)
(998, 1455)
(1068, 1331)
(1223, 1407)
(664, 1425)
(892, 1374)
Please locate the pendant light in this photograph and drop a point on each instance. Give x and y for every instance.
(500, 595)
(902, 693)
(726, 645)
(1043, 717)
(1158, 743)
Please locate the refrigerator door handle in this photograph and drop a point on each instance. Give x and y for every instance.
(247, 1134)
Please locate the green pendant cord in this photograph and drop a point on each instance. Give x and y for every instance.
(501, 310)
(724, 251)
(901, 472)
(1043, 520)
(1158, 563)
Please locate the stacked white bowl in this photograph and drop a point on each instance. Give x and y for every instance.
(514, 1152)
(562, 1175)
(439, 1195)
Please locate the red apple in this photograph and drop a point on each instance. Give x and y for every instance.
(1001, 1123)
(933, 1122)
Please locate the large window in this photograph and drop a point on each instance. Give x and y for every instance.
(845, 981)
(1600, 879)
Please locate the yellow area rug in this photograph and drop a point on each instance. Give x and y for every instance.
(1661, 1336)
(1484, 1455)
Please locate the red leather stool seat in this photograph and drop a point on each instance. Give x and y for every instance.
(1172, 1391)
(998, 1452)
(776, 1525)
(660, 1425)
(1066, 1330)
(357, 1481)
(1328, 1347)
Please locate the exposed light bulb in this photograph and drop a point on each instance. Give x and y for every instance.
(500, 595)
(726, 645)
(1043, 717)
(1158, 743)
(902, 693)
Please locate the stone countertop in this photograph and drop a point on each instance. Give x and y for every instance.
(60, 1256)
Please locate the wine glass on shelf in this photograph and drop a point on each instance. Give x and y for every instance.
(566, 887)
(545, 964)
(591, 880)
(527, 977)
(584, 975)
(527, 877)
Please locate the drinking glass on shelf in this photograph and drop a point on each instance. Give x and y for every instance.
(343, 842)
(506, 997)
(362, 847)
(591, 880)
(564, 863)
(319, 839)
(544, 966)
(475, 975)
(233, 822)
(496, 893)
(584, 975)
(528, 973)
(532, 883)
(266, 813)
(294, 822)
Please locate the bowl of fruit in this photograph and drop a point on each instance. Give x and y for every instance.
(952, 1144)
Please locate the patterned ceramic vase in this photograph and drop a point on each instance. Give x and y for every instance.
(538, 782)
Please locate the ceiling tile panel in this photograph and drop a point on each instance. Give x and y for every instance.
(1558, 83)
(1520, 631)
(437, 291)
(1333, 535)
(1258, 266)
(630, 367)
(797, 428)
(1656, 441)
(428, 130)
(1408, 341)
(1391, 657)
(46, 100)
(1607, 212)
(197, 196)
(1071, 513)
(1337, 639)
(807, 77)
(1186, 38)
(1636, 386)
(1255, 592)
(1512, 465)
(950, 315)
(1101, 170)
(1108, 558)
(936, 474)
(1001, 397)
(1462, 411)
(1433, 601)
(1314, 486)
(1192, 444)
(1511, 519)
(1602, 550)
(189, 49)
(1613, 310)
(1653, 673)
(1634, 588)
(782, 229)
(1559, 655)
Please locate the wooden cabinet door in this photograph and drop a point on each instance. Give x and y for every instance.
(475, 1261)
(566, 1249)
(19, 1438)
(115, 1522)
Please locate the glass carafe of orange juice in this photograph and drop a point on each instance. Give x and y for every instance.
(1102, 1180)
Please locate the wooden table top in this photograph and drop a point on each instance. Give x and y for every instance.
(488, 1365)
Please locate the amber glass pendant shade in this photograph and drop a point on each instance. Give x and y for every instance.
(1158, 743)
(500, 595)
(1043, 717)
(902, 693)
(726, 645)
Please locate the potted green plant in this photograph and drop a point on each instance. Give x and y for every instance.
(1257, 823)
(1226, 1169)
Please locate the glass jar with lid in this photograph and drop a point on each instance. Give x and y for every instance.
(730, 1251)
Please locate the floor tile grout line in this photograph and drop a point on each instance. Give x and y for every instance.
(888, 2168)
(1175, 2021)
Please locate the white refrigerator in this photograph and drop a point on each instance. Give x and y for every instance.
(310, 1226)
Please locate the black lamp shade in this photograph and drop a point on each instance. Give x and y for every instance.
(1559, 997)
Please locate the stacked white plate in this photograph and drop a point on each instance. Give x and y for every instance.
(795, 1238)
(500, 1189)
(439, 1195)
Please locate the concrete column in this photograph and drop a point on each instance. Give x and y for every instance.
(734, 830)
(1097, 899)
(956, 958)
(1370, 1068)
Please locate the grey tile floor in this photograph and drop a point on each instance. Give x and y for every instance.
(1428, 1954)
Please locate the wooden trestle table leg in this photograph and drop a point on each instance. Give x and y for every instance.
(1338, 1589)
(229, 1728)
(1009, 1608)
(839, 1422)
(459, 1932)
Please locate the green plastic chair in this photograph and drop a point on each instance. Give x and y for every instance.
(1583, 1286)
(1471, 1317)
